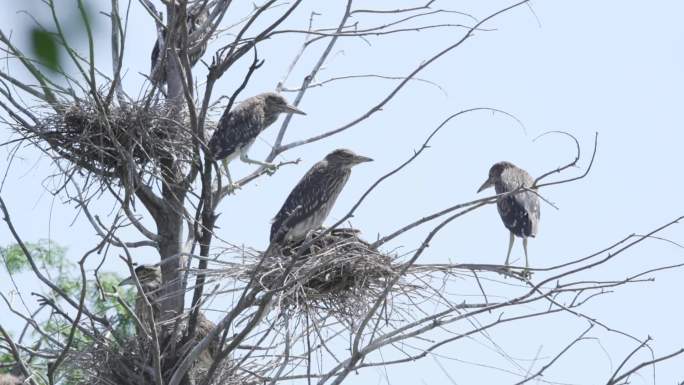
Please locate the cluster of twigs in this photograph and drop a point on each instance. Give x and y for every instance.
(107, 141)
(339, 275)
(130, 362)
(108, 363)
(230, 373)
(306, 294)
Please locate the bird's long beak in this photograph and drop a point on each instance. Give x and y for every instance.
(293, 110)
(127, 281)
(362, 159)
(487, 184)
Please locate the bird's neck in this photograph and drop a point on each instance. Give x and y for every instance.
(150, 287)
(269, 117)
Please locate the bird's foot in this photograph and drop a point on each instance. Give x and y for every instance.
(230, 187)
(526, 273)
(233, 187)
(506, 270)
(270, 168)
(309, 236)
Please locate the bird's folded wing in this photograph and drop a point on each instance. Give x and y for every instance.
(235, 130)
(310, 194)
(520, 211)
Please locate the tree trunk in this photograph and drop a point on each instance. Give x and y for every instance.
(170, 234)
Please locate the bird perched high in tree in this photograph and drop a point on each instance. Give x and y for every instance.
(150, 279)
(519, 211)
(238, 128)
(313, 197)
(196, 48)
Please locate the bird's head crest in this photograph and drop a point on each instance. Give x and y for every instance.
(344, 157)
(145, 273)
(498, 168)
(276, 103)
(495, 174)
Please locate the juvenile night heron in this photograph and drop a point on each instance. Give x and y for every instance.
(194, 19)
(313, 197)
(520, 211)
(238, 128)
(150, 279)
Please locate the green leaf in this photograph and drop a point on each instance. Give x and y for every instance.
(71, 286)
(109, 281)
(49, 253)
(6, 362)
(45, 48)
(15, 260)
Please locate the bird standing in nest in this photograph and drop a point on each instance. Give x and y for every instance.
(313, 197)
(519, 211)
(150, 279)
(195, 18)
(238, 128)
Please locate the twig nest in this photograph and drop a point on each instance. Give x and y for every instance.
(338, 274)
(130, 361)
(106, 141)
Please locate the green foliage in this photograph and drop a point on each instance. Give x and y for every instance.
(69, 284)
(6, 362)
(14, 258)
(103, 295)
(45, 48)
(45, 253)
(49, 47)
(103, 301)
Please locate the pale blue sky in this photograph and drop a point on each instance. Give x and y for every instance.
(616, 67)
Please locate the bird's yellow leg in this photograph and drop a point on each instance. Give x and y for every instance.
(232, 185)
(526, 272)
(510, 247)
(224, 162)
(270, 167)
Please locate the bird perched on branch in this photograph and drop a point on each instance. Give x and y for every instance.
(313, 197)
(150, 279)
(519, 211)
(238, 128)
(195, 18)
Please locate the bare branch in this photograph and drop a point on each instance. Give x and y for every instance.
(395, 91)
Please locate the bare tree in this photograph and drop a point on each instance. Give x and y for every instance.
(331, 306)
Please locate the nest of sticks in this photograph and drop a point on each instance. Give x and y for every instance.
(131, 362)
(339, 274)
(106, 143)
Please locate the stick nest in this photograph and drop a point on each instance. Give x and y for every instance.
(339, 274)
(109, 142)
(131, 362)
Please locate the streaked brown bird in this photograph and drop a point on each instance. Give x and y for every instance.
(150, 279)
(520, 211)
(313, 197)
(238, 128)
(196, 49)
